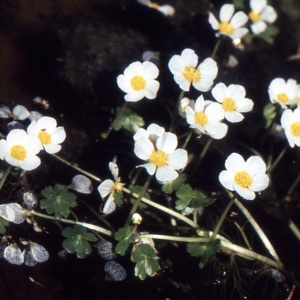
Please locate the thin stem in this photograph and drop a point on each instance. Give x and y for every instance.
(87, 225)
(293, 186)
(216, 48)
(175, 238)
(111, 127)
(138, 200)
(295, 230)
(258, 230)
(187, 140)
(76, 168)
(243, 235)
(275, 163)
(4, 176)
(221, 220)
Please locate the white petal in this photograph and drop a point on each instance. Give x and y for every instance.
(226, 180)
(178, 159)
(220, 92)
(113, 167)
(255, 165)
(142, 148)
(30, 163)
(244, 105)
(167, 142)
(258, 27)
(226, 12)
(4, 112)
(217, 130)
(151, 168)
(134, 96)
(39, 253)
(190, 58)
(176, 64)
(269, 14)
(235, 163)
(81, 184)
(234, 117)
(47, 123)
(257, 5)
(4, 149)
(213, 21)
(52, 148)
(58, 136)
(151, 89)
(239, 33)
(260, 182)
(150, 69)
(239, 19)
(245, 193)
(166, 173)
(105, 188)
(109, 205)
(183, 83)
(21, 112)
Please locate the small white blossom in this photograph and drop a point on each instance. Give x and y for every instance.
(244, 177)
(20, 149)
(283, 92)
(290, 121)
(206, 117)
(162, 156)
(260, 14)
(186, 71)
(233, 101)
(13, 212)
(49, 135)
(230, 24)
(138, 81)
(166, 10)
(81, 184)
(184, 102)
(153, 132)
(13, 254)
(136, 219)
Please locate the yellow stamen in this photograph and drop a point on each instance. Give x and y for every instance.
(226, 27)
(159, 158)
(44, 137)
(18, 152)
(191, 74)
(229, 105)
(138, 83)
(295, 129)
(243, 179)
(254, 16)
(154, 5)
(201, 118)
(283, 97)
(118, 186)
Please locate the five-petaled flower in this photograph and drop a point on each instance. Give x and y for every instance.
(244, 177)
(206, 117)
(233, 101)
(162, 156)
(260, 14)
(290, 121)
(138, 81)
(230, 24)
(20, 149)
(50, 136)
(110, 187)
(186, 71)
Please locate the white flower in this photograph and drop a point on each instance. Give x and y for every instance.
(136, 219)
(13, 254)
(167, 10)
(20, 149)
(138, 81)
(206, 118)
(260, 14)
(283, 92)
(49, 134)
(290, 121)
(244, 177)
(162, 157)
(39, 253)
(109, 187)
(230, 25)
(19, 112)
(153, 132)
(233, 101)
(186, 71)
(81, 184)
(13, 212)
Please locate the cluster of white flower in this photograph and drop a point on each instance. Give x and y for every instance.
(20, 148)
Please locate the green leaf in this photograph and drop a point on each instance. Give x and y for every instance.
(3, 224)
(239, 4)
(201, 199)
(77, 240)
(118, 198)
(269, 113)
(125, 238)
(185, 195)
(205, 251)
(269, 34)
(146, 261)
(58, 200)
(174, 185)
(129, 120)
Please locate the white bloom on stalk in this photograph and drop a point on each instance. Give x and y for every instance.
(20, 149)
(233, 101)
(153, 132)
(244, 177)
(110, 187)
(260, 14)
(138, 81)
(13, 212)
(283, 92)
(162, 156)
(81, 184)
(19, 112)
(206, 117)
(186, 71)
(49, 135)
(290, 121)
(230, 24)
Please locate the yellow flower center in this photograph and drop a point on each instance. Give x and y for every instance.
(18, 152)
(201, 118)
(44, 137)
(229, 105)
(226, 27)
(295, 129)
(118, 186)
(159, 158)
(243, 179)
(138, 83)
(254, 16)
(154, 5)
(191, 74)
(283, 97)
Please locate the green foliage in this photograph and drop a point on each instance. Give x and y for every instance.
(205, 251)
(137, 189)
(239, 4)
(78, 240)
(269, 113)
(174, 185)
(146, 261)
(191, 198)
(3, 224)
(58, 200)
(129, 120)
(269, 34)
(125, 237)
(118, 198)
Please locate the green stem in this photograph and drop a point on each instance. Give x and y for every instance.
(295, 230)
(187, 140)
(216, 48)
(111, 127)
(138, 200)
(4, 176)
(275, 163)
(76, 168)
(221, 220)
(86, 225)
(243, 235)
(293, 186)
